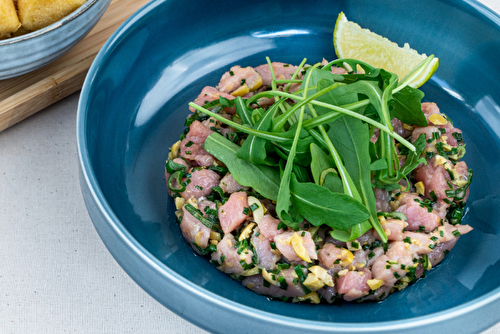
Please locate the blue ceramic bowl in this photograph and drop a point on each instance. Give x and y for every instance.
(26, 53)
(134, 102)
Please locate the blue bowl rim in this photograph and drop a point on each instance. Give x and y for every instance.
(90, 180)
(53, 27)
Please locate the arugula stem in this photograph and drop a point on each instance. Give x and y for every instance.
(329, 117)
(277, 137)
(283, 81)
(282, 119)
(299, 68)
(273, 83)
(387, 145)
(413, 74)
(363, 118)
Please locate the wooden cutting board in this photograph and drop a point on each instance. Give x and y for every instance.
(25, 95)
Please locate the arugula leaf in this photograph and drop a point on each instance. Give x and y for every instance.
(264, 180)
(330, 179)
(283, 200)
(243, 111)
(378, 165)
(406, 106)
(351, 137)
(302, 150)
(254, 148)
(320, 206)
(413, 159)
(320, 161)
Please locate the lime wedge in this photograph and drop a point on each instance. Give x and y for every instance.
(352, 41)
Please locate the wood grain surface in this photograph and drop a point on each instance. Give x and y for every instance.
(25, 95)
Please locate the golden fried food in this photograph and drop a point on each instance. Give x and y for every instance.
(9, 23)
(36, 14)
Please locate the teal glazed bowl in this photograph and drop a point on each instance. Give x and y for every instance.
(134, 102)
(26, 53)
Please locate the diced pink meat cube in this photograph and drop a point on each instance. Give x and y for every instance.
(424, 243)
(229, 184)
(202, 182)
(265, 256)
(328, 254)
(393, 228)
(198, 132)
(416, 214)
(233, 212)
(209, 94)
(238, 76)
(196, 153)
(268, 226)
(382, 199)
(281, 71)
(389, 267)
(228, 258)
(353, 284)
(194, 231)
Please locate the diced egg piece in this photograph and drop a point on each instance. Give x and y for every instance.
(251, 272)
(440, 160)
(174, 150)
(313, 297)
(298, 246)
(322, 274)
(215, 236)
(347, 257)
(437, 119)
(447, 147)
(268, 277)
(259, 212)
(313, 283)
(420, 188)
(179, 202)
(353, 245)
(193, 202)
(246, 232)
(375, 283)
(242, 90)
(343, 272)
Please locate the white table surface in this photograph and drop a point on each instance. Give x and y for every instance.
(56, 276)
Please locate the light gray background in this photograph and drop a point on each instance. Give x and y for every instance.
(56, 276)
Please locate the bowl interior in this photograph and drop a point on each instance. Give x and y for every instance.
(136, 102)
